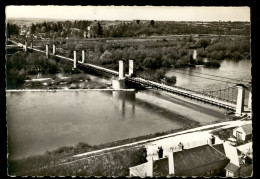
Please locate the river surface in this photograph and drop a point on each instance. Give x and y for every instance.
(206, 79)
(41, 121)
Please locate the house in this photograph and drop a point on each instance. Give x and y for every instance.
(198, 161)
(243, 133)
(246, 149)
(239, 165)
(232, 154)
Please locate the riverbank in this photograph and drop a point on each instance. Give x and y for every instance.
(66, 90)
(80, 165)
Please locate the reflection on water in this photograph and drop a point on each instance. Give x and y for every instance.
(120, 98)
(40, 121)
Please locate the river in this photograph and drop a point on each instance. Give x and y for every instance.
(41, 121)
(200, 79)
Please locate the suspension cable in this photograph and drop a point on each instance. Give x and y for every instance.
(205, 77)
(216, 76)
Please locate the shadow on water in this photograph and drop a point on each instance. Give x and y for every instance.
(199, 106)
(121, 98)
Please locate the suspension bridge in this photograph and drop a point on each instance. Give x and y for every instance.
(230, 98)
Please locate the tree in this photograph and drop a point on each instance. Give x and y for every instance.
(204, 43)
(190, 39)
(137, 21)
(152, 22)
(100, 30)
(33, 28)
(192, 61)
(12, 29)
(43, 29)
(159, 74)
(170, 80)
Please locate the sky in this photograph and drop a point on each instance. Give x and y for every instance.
(164, 13)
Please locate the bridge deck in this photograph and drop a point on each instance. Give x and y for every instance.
(176, 90)
(183, 92)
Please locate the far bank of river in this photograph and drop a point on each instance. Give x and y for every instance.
(67, 81)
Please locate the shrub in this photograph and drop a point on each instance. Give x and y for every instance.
(159, 74)
(212, 63)
(170, 80)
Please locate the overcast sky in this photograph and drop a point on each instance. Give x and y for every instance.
(171, 13)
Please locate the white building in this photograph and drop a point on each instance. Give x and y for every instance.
(243, 132)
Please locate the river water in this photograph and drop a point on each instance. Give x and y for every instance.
(41, 121)
(201, 79)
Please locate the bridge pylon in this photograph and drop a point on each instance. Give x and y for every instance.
(75, 59)
(131, 67)
(120, 83)
(25, 45)
(240, 99)
(47, 50)
(250, 100)
(121, 70)
(54, 49)
(83, 56)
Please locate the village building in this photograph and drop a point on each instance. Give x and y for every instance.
(205, 160)
(243, 133)
(231, 152)
(92, 29)
(198, 161)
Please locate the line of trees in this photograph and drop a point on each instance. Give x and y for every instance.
(157, 55)
(12, 29)
(137, 28)
(21, 64)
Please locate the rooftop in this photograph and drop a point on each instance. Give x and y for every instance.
(247, 128)
(188, 159)
(220, 148)
(232, 167)
(140, 170)
(246, 171)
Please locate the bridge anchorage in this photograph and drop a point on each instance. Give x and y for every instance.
(220, 99)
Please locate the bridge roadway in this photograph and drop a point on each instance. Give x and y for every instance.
(176, 90)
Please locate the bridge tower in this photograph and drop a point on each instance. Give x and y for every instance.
(25, 46)
(83, 56)
(47, 50)
(75, 59)
(120, 83)
(54, 49)
(131, 67)
(250, 100)
(240, 99)
(121, 70)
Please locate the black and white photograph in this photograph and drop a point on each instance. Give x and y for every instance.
(128, 91)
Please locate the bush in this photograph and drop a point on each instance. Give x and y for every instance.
(199, 61)
(159, 74)
(212, 63)
(150, 62)
(170, 80)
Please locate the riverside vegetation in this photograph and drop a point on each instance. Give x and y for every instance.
(151, 44)
(159, 55)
